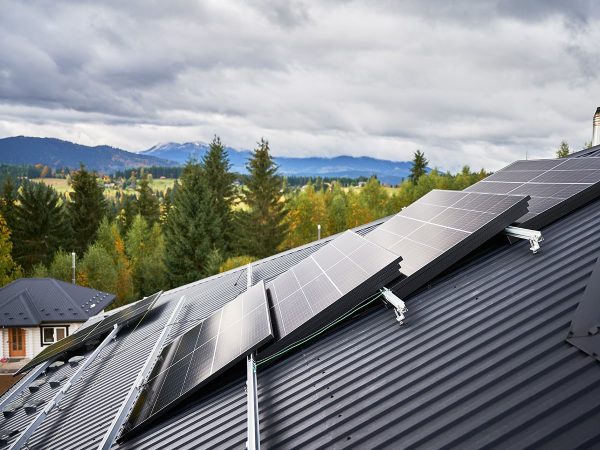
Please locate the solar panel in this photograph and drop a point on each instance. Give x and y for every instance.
(327, 284)
(440, 228)
(199, 355)
(77, 340)
(556, 186)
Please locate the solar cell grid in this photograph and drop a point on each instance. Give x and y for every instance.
(197, 356)
(556, 186)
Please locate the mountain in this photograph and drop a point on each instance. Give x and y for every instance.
(340, 166)
(56, 154)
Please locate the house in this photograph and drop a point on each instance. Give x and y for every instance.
(37, 312)
(491, 355)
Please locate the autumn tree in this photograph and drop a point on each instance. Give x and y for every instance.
(261, 227)
(9, 269)
(86, 206)
(99, 270)
(563, 150)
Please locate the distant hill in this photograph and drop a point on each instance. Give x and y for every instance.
(341, 166)
(57, 154)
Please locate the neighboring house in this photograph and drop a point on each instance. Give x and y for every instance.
(485, 359)
(37, 312)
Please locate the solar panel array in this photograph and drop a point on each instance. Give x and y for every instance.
(327, 284)
(77, 340)
(199, 355)
(549, 183)
(440, 228)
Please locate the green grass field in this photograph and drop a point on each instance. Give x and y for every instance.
(60, 184)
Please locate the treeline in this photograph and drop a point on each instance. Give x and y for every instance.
(155, 171)
(21, 172)
(135, 244)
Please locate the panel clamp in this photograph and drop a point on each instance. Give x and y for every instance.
(533, 236)
(398, 305)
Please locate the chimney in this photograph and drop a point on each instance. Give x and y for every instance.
(596, 129)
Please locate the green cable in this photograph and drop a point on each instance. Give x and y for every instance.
(292, 346)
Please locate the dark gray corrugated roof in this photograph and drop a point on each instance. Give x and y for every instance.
(31, 301)
(482, 361)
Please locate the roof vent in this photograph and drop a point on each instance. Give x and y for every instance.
(596, 128)
(12, 407)
(56, 380)
(75, 360)
(32, 405)
(36, 385)
(55, 365)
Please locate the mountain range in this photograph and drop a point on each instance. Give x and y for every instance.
(57, 153)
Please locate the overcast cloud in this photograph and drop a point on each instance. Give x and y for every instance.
(473, 82)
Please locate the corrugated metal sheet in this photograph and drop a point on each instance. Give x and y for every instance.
(482, 362)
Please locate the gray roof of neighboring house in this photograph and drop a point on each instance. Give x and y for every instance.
(482, 361)
(33, 301)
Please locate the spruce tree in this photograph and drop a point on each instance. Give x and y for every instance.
(147, 203)
(216, 171)
(419, 166)
(192, 230)
(87, 207)
(41, 225)
(261, 227)
(9, 270)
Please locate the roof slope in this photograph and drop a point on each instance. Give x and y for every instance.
(482, 361)
(31, 301)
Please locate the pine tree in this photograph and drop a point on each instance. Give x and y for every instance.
(419, 166)
(262, 229)
(192, 229)
(147, 203)
(9, 270)
(41, 225)
(87, 207)
(216, 171)
(563, 150)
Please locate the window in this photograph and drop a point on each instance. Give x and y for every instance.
(50, 335)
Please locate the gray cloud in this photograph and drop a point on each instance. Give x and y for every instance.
(480, 83)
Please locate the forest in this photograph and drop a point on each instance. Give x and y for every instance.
(212, 220)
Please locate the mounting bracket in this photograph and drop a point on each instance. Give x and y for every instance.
(533, 236)
(398, 305)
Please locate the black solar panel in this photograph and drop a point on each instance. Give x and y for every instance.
(556, 186)
(79, 339)
(327, 284)
(440, 228)
(199, 355)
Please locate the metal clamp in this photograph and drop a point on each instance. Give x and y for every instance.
(399, 306)
(533, 236)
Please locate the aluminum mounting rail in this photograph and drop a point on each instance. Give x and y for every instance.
(24, 437)
(115, 427)
(253, 442)
(533, 236)
(24, 383)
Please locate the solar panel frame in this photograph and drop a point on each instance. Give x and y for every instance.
(303, 299)
(556, 186)
(79, 339)
(427, 250)
(197, 357)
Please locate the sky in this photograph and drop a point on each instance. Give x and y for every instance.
(480, 83)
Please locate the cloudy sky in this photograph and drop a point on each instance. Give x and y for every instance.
(473, 82)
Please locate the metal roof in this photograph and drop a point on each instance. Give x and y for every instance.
(482, 361)
(32, 301)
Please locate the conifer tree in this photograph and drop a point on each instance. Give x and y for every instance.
(262, 229)
(216, 171)
(419, 166)
(147, 203)
(41, 225)
(192, 230)
(563, 150)
(87, 207)
(8, 203)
